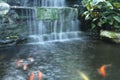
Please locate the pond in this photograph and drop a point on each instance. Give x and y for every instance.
(68, 60)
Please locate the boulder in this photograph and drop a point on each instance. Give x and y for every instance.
(4, 8)
(110, 36)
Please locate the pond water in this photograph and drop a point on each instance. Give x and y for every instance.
(62, 60)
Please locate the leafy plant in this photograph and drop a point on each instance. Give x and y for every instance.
(102, 12)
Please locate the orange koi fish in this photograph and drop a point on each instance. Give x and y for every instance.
(102, 70)
(32, 76)
(39, 75)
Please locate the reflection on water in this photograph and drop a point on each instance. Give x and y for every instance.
(71, 60)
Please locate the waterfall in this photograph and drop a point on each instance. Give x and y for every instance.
(52, 21)
(53, 3)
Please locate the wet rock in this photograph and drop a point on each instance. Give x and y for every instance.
(14, 2)
(110, 36)
(76, 6)
(6, 41)
(21, 40)
(4, 8)
(2, 57)
(12, 29)
(54, 13)
(12, 41)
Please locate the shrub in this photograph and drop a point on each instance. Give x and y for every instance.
(102, 13)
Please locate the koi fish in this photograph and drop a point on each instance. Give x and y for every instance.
(31, 59)
(102, 70)
(32, 76)
(83, 75)
(25, 66)
(39, 75)
(19, 62)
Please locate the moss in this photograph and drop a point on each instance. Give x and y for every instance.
(47, 13)
(54, 13)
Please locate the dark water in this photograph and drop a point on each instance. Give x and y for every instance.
(62, 60)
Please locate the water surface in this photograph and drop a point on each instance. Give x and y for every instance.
(61, 60)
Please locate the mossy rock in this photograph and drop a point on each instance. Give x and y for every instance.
(55, 13)
(110, 36)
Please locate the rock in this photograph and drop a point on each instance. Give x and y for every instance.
(110, 36)
(6, 41)
(4, 8)
(55, 13)
(76, 6)
(21, 40)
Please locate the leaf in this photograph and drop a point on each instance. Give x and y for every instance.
(116, 25)
(95, 2)
(84, 2)
(85, 13)
(94, 19)
(116, 4)
(109, 4)
(104, 19)
(88, 6)
(101, 22)
(111, 21)
(87, 17)
(93, 25)
(117, 18)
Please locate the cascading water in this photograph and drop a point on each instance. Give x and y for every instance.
(53, 22)
(49, 3)
(53, 3)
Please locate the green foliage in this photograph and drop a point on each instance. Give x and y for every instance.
(101, 12)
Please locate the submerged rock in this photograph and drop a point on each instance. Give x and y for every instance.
(4, 8)
(110, 36)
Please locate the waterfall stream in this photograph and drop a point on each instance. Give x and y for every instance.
(50, 20)
(53, 3)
